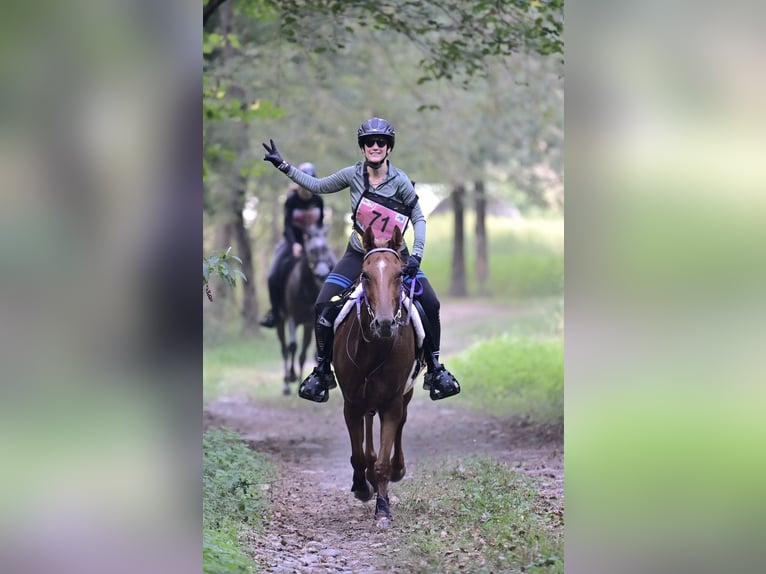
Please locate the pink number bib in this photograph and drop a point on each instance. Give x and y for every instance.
(382, 219)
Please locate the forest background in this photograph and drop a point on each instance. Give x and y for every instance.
(474, 90)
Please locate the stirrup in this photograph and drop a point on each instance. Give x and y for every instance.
(316, 387)
(440, 383)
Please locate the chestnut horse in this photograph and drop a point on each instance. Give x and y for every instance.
(375, 358)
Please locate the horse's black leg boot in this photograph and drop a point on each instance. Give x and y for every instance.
(317, 385)
(438, 380)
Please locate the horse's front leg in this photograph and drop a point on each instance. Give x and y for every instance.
(283, 346)
(389, 423)
(369, 449)
(398, 468)
(355, 425)
(293, 327)
(308, 332)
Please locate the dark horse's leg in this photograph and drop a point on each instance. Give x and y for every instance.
(398, 468)
(308, 331)
(355, 425)
(290, 372)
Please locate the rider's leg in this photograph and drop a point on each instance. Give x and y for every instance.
(438, 380)
(275, 285)
(317, 385)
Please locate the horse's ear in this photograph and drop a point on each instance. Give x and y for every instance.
(368, 240)
(397, 241)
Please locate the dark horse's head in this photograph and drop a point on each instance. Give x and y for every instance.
(318, 254)
(382, 281)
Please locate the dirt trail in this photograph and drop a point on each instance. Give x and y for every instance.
(318, 526)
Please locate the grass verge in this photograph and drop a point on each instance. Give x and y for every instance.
(483, 517)
(514, 376)
(233, 500)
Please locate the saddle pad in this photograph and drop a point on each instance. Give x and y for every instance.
(417, 324)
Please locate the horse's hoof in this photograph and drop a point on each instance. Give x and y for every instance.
(383, 521)
(364, 496)
(286, 391)
(362, 492)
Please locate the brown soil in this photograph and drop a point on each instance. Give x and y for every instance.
(318, 526)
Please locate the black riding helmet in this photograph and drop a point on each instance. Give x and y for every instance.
(376, 127)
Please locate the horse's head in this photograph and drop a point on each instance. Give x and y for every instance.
(318, 254)
(382, 281)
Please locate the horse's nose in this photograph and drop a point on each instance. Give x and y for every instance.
(322, 270)
(384, 327)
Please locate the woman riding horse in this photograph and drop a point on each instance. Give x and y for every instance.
(302, 210)
(382, 197)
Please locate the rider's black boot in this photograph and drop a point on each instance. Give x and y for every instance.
(268, 320)
(438, 380)
(275, 288)
(316, 387)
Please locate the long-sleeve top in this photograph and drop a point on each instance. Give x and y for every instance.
(397, 186)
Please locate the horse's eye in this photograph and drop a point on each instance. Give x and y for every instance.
(365, 277)
(398, 275)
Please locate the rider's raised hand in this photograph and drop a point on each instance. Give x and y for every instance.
(275, 158)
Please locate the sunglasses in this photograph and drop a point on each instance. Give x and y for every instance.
(382, 142)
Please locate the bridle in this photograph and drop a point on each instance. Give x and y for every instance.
(397, 317)
(363, 295)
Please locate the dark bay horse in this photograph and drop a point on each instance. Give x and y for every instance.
(375, 357)
(304, 280)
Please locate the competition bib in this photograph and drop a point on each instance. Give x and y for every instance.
(382, 218)
(305, 218)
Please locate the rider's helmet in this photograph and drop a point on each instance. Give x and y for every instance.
(376, 127)
(308, 168)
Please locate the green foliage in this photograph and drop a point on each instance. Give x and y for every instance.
(514, 376)
(499, 51)
(233, 476)
(457, 38)
(219, 265)
(233, 499)
(222, 554)
(483, 517)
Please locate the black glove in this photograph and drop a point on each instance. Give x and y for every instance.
(412, 265)
(274, 157)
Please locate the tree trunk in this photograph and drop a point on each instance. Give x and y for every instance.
(244, 252)
(249, 312)
(482, 259)
(457, 282)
